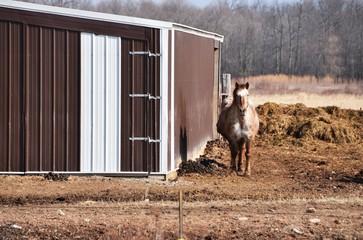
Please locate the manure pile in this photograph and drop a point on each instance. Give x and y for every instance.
(202, 165)
(329, 124)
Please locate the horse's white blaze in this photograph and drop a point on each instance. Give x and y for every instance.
(242, 92)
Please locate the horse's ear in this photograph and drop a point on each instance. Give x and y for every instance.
(247, 85)
(237, 85)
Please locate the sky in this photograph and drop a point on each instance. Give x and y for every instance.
(198, 3)
(203, 3)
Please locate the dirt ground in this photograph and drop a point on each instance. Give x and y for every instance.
(307, 183)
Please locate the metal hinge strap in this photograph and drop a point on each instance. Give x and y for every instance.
(146, 139)
(148, 95)
(150, 54)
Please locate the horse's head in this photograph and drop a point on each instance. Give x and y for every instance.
(240, 96)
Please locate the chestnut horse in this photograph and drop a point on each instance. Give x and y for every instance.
(238, 124)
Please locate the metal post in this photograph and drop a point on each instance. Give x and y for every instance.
(181, 215)
(226, 84)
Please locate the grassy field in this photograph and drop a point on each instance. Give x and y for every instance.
(310, 91)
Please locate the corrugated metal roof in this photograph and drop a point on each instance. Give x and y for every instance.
(196, 31)
(106, 17)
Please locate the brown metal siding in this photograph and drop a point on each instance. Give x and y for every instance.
(138, 107)
(73, 109)
(32, 98)
(52, 100)
(126, 118)
(133, 120)
(11, 154)
(39, 123)
(194, 77)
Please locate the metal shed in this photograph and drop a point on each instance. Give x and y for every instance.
(92, 93)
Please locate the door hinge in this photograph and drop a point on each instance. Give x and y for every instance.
(150, 54)
(145, 95)
(146, 139)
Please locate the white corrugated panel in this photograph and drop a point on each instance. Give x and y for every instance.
(100, 103)
(164, 75)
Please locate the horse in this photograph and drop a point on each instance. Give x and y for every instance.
(238, 123)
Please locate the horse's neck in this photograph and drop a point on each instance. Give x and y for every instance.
(242, 119)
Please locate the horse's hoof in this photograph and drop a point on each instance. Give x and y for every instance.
(247, 174)
(232, 172)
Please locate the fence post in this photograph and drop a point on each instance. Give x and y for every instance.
(226, 84)
(181, 237)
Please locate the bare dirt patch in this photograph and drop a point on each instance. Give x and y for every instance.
(304, 158)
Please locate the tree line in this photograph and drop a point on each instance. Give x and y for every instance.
(304, 37)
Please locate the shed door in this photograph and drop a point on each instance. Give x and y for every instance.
(120, 109)
(141, 108)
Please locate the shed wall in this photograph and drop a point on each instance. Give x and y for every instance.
(193, 94)
(41, 95)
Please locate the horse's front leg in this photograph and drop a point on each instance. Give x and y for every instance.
(248, 155)
(233, 146)
(240, 155)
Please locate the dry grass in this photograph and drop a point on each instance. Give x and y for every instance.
(308, 90)
(281, 78)
(346, 101)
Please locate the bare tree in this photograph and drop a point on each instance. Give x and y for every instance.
(305, 37)
(294, 15)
